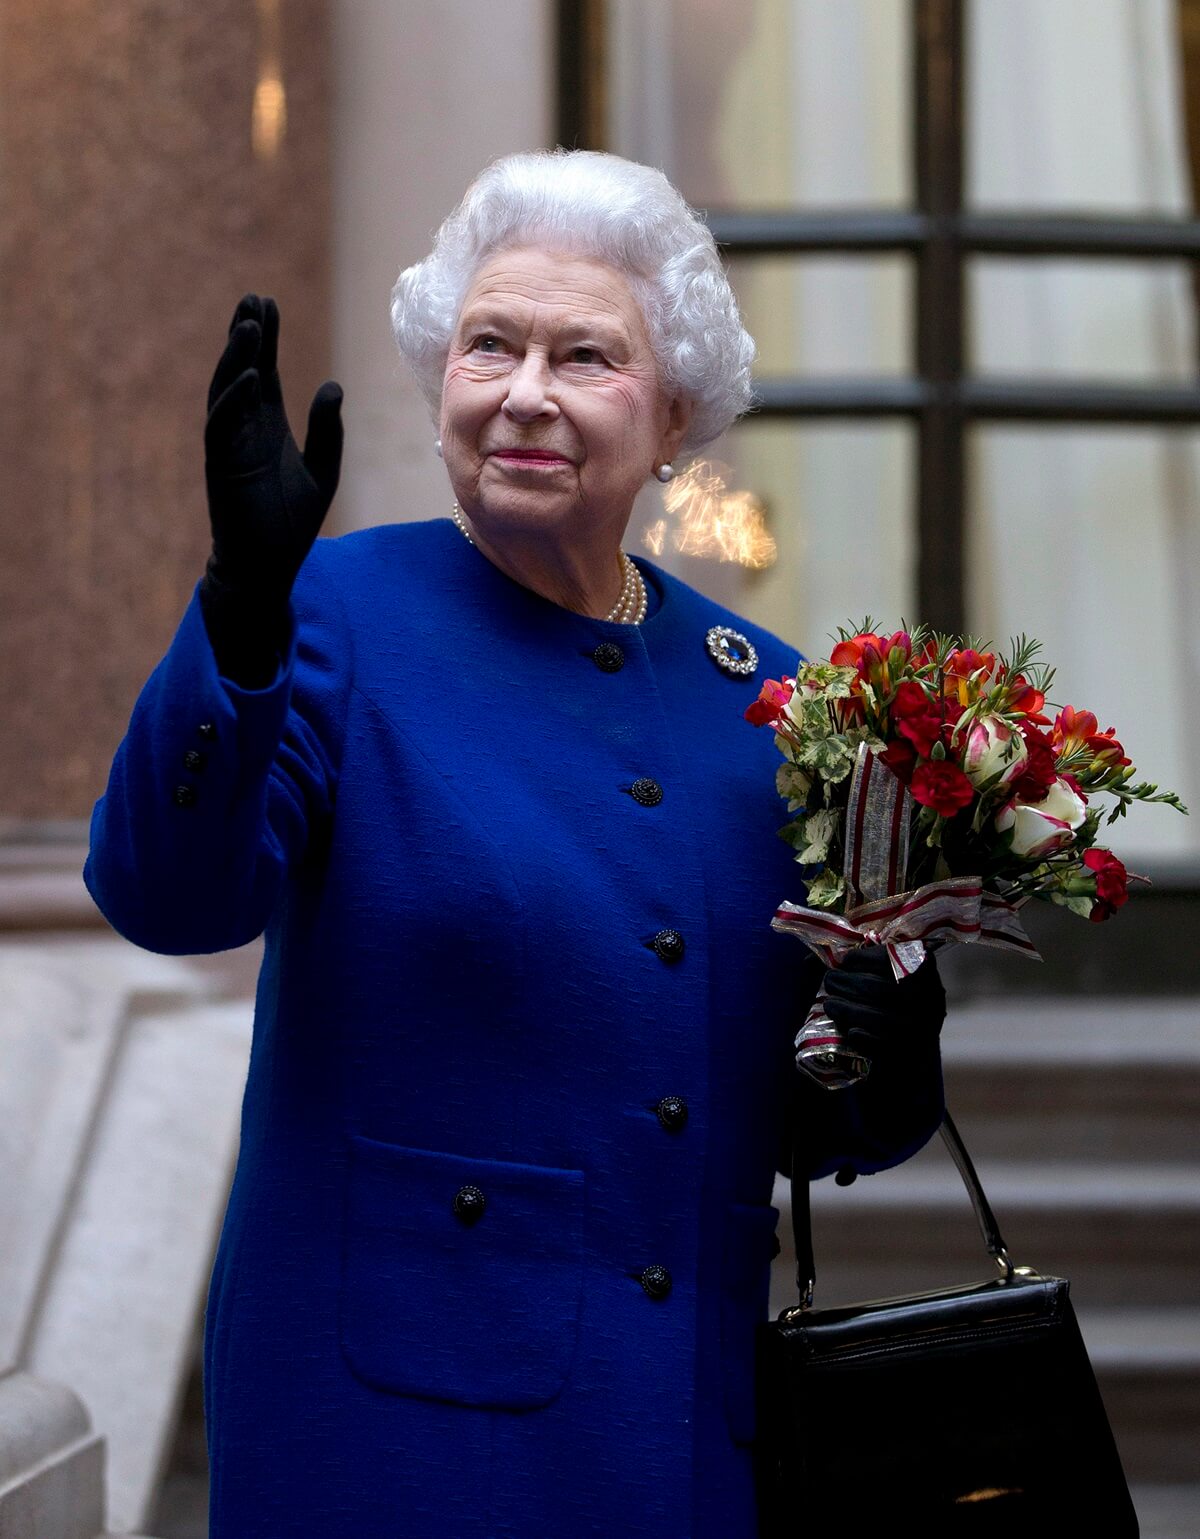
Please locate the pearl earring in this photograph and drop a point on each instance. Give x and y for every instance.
(437, 447)
(665, 473)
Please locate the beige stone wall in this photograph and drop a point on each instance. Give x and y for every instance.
(134, 213)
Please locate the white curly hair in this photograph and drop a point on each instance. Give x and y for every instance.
(612, 210)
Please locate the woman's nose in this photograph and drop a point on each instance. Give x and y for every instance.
(530, 394)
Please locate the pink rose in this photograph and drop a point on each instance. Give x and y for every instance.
(992, 749)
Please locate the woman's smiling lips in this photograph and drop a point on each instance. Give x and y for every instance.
(524, 457)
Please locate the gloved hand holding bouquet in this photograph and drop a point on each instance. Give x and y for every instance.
(932, 799)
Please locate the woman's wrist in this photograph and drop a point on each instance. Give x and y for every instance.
(247, 635)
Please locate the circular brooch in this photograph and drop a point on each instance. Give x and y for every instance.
(731, 650)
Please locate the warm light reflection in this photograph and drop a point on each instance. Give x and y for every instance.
(269, 123)
(989, 1494)
(712, 522)
(268, 120)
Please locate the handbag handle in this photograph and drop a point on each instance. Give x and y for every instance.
(806, 1266)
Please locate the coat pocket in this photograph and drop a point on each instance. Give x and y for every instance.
(745, 1298)
(479, 1310)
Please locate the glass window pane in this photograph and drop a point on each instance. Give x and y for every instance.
(1076, 105)
(1079, 319)
(827, 315)
(1089, 541)
(837, 503)
(764, 103)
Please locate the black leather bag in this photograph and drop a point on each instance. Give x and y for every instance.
(970, 1411)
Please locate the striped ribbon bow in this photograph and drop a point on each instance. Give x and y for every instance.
(958, 908)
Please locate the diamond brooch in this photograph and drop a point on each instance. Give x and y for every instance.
(731, 650)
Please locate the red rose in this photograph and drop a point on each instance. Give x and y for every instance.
(772, 698)
(1040, 772)
(900, 757)
(1112, 883)
(916, 717)
(943, 786)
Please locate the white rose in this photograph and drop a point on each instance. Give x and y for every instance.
(1041, 827)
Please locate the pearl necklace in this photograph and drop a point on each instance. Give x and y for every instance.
(630, 608)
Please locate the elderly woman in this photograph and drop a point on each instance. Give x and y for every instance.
(500, 1231)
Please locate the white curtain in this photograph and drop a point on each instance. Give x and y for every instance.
(1086, 537)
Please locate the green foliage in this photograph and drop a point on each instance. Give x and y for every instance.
(826, 890)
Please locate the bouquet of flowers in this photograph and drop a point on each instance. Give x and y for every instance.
(933, 797)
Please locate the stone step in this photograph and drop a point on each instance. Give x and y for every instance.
(1077, 1112)
(1047, 1029)
(1147, 1363)
(1167, 1511)
(1110, 1079)
(1117, 1231)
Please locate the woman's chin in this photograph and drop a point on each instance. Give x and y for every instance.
(514, 510)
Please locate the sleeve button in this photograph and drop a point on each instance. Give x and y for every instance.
(193, 760)
(469, 1203)
(672, 1112)
(646, 792)
(207, 729)
(656, 1280)
(185, 796)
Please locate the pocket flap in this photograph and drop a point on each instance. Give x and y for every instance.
(483, 1312)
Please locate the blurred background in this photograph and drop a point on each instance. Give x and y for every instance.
(964, 236)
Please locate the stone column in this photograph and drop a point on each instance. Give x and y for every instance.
(157, 161)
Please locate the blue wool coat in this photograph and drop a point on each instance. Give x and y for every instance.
(480, 1104)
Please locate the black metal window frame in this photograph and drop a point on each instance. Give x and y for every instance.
(941, 397)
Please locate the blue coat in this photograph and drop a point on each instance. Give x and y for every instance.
(481, 1107)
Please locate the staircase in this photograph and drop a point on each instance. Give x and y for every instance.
(1081, 1118)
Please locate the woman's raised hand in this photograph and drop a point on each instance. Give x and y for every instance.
(266, 500)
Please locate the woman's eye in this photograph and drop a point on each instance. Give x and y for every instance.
(488, 344)
(586, 355)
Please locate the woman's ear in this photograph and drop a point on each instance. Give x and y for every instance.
(679, 419)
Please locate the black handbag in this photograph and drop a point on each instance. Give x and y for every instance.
(968, 1411)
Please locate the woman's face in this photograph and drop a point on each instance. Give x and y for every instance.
(552, 412)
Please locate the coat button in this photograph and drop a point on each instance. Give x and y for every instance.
(669, 945)
(185, 796)
(609, 657)
(656, 1280)
(672, 1112)
(193, 760)
(469, 1203)
(207, 729)
(646, 791)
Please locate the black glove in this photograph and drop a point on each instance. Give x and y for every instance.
(879, 1017)
(266, 501)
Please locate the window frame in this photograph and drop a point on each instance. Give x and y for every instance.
(941, 396)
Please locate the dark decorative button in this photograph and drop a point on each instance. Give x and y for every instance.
(185, 796)
(469, 1203)
(846, 1176)
(656, 1280)
(646, 791)
(672, 1112)
(609, 657)
(207, 729)
(669, 945)
(193, 760)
